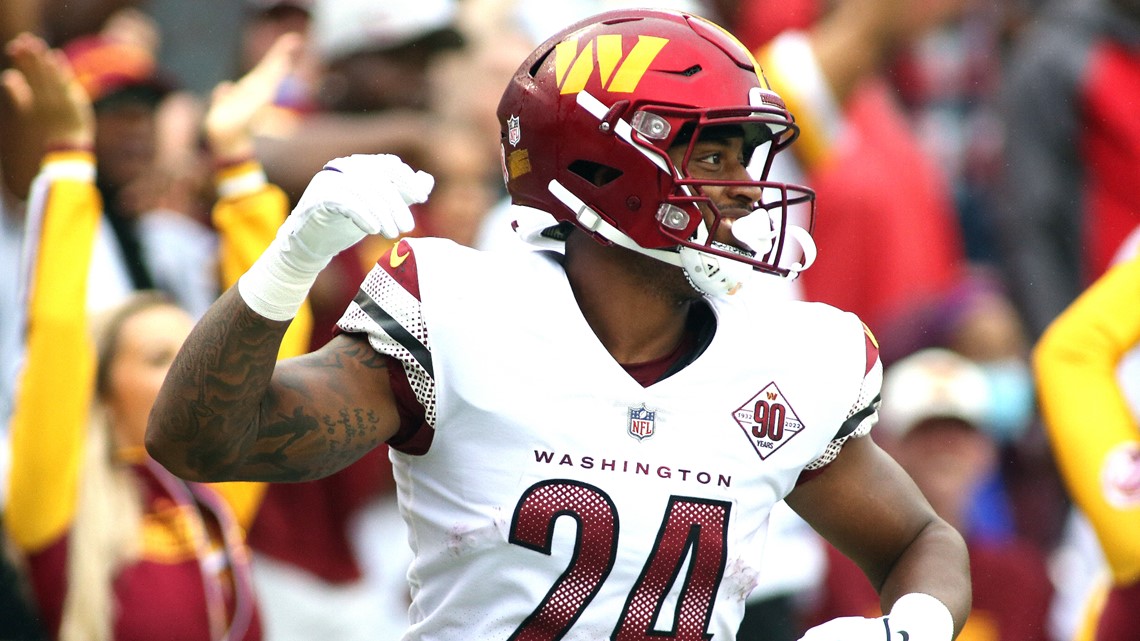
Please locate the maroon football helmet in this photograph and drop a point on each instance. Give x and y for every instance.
(589, 117)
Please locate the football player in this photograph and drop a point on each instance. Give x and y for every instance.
(587, 442)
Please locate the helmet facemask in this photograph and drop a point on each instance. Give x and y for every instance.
(775, 238)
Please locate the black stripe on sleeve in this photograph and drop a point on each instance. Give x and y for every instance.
(852, 423)
(394, 329)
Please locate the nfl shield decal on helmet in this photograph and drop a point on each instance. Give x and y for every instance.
(768, 420)
(514, 131)
(642, 421)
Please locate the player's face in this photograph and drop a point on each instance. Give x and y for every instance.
(721, 158)
(146, 345)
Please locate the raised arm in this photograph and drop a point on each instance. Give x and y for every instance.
(228, 410)
(1088, 417)
(249, 209)
(53, 399)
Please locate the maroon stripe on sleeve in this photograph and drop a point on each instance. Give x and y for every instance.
(415, 435)
(400, 263)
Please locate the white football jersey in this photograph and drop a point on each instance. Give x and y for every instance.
(549, 495)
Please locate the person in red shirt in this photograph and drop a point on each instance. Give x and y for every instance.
(887, 229)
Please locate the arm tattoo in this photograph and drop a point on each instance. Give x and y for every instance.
(332, 433)
(218, 417)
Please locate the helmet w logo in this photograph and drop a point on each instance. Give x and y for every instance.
(620, 72)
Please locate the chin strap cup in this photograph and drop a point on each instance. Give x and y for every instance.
(713, 275)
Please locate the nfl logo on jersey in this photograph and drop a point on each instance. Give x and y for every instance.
(641, 422)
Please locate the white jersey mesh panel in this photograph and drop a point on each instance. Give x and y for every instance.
(406, 310)
(868, 391)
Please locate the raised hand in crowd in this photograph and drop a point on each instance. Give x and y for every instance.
(234, 106)
(43, 88)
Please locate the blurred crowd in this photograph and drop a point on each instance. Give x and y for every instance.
(975, 163)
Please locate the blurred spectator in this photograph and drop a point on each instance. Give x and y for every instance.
(153, 234)
(265, 21)
(934, 420)
(371, 96)
(19, 622)
(949, 82)
(462, 150)
(372, 89)
(977, 319)
(1077, 363)
(1072, 146)
(116, 546)
(172, 251)
(376, 53)
(886, 228)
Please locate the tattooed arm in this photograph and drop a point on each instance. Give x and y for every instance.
(227, 409)
(230, 411)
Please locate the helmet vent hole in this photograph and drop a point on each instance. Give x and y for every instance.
(691, 71)
(533, 71)
(596, 174)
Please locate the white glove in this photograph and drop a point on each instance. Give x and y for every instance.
(914, 617)
(350, 198)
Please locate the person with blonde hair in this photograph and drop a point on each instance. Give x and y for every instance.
(116, 546)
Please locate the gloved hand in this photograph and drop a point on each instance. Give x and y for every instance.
(350, 198)
(914, 617)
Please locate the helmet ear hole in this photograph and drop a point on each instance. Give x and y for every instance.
(594, 173)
